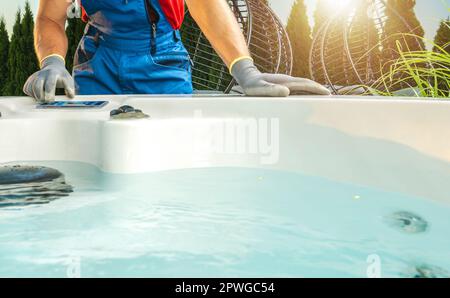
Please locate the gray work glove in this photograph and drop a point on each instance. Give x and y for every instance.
(255, 83)
(53, 74)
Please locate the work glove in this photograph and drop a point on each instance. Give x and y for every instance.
(53, 74)
(255, 83)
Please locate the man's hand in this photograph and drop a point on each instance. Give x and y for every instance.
(51, 46)
(42, 84)
(255, 83)
(218, 23)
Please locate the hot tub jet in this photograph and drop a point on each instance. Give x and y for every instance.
(407, 222)
(428, 271)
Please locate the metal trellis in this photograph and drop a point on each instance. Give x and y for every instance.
(265, 35)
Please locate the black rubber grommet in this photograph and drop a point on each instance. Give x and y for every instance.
(126, 109)
(115, 113)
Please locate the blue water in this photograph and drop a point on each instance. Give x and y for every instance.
(218, 222)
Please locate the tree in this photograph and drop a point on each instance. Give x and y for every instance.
(338, 65)
(403, 33)
(74, 32)
(10, 87)
(300, 35)
(442, 38)
(364, 47)
(401, 23)
(321, 14)
(4, 48)
(22, 60)
(442, 41)
(28, 60)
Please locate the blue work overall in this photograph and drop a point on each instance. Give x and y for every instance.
(130, 47)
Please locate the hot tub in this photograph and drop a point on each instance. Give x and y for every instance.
(232, 186)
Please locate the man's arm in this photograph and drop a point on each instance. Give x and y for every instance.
(49, 33)
(220, 27)
(216, 20)
(51, 48)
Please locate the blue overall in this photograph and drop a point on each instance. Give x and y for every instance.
(129, 47)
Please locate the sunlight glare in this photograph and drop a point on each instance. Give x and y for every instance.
(337, 5)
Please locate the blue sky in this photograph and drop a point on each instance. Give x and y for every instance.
(430, 12)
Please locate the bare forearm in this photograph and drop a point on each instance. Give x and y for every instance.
(50, 38)
(216, 20)
(49, 33)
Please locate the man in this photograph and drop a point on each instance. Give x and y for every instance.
(134, 47)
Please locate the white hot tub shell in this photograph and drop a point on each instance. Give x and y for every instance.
(400, 145)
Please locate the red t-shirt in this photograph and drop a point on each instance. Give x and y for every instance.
(173, 10)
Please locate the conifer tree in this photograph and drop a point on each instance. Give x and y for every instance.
(442, 38)
(403, 33)
(364, 47)
(4, 48)
(401, 21)
(338, 64)
(321, 14)
(442, 41)
(22, 60)
(11, 85)
(300, 36)
(28, 61)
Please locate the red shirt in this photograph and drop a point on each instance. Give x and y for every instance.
(172, 9)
